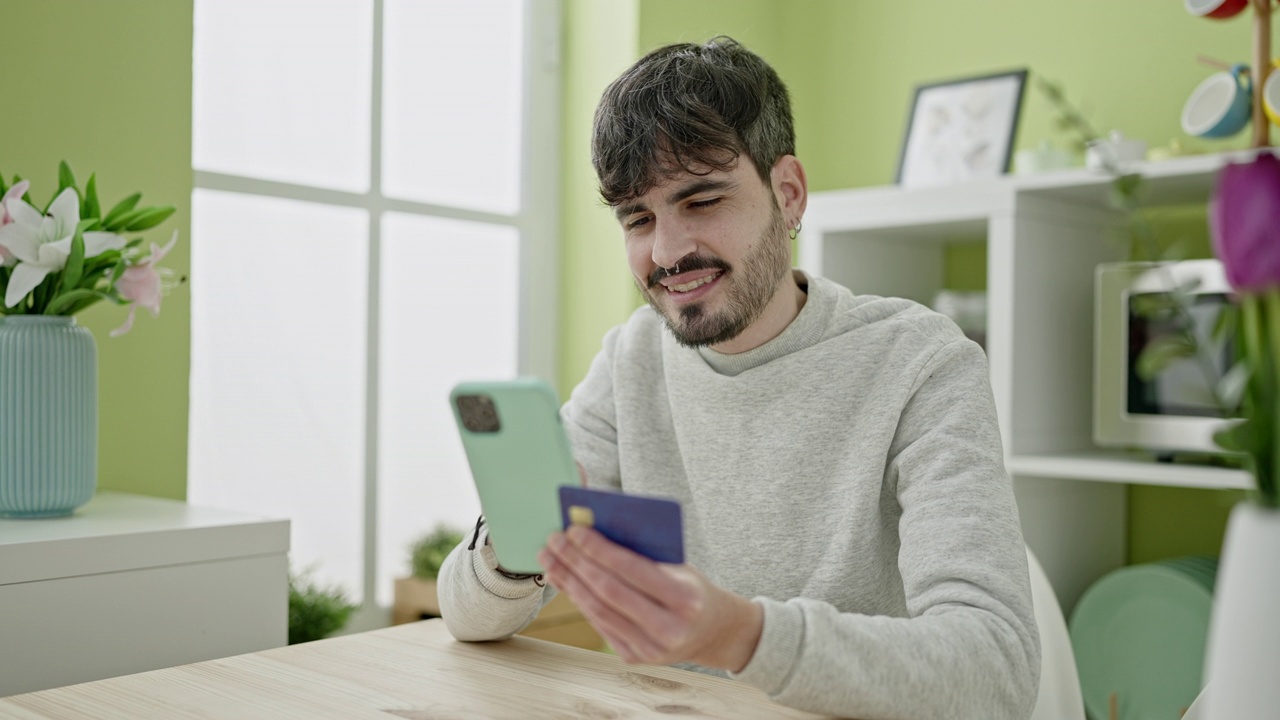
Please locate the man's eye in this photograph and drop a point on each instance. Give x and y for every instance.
(704, 203)
(637, 223)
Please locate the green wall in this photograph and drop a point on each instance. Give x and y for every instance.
(852, 68)
(107, 87)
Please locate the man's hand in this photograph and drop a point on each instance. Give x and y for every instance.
(652, 612)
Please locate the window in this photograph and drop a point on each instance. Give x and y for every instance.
(366, 232)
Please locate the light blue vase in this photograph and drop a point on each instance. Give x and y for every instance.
(48, 416)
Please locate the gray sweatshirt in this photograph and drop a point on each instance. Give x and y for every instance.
(847, 475)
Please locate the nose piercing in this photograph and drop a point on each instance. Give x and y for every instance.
(676, 270)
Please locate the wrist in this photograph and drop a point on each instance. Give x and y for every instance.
(739, 636)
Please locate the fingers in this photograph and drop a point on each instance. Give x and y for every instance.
(644, 575)
(628, 639)
(606, 582)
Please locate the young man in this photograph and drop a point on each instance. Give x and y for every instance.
(852, 540)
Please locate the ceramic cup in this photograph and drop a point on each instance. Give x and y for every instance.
(1221, 105)
(1115, 149)
(1271, 93)
(1218, 9)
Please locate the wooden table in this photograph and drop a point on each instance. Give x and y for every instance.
(415, 671)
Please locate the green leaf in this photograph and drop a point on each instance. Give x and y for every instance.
(3, 188)
(1231, 387)
(1160, 352)
(150, 218)
(75, 264)
(70, 299)
(65, 178)
(89, 205)
(121, 208)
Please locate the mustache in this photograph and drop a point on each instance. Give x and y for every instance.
(687, 264)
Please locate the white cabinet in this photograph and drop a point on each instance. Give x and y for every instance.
(1044, 235)
(131, 583)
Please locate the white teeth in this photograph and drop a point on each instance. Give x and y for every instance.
(686, 287)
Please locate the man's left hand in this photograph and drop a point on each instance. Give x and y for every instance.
(652, 612)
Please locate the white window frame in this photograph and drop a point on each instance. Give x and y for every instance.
(537, 221)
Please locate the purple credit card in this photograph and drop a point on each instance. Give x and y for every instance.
(645, 525)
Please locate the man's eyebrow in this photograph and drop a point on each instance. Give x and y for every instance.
(626, 209)
(683, 193)
(699, 187)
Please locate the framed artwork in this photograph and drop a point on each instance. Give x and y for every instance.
(961, 129)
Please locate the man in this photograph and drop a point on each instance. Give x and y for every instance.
(852, 540)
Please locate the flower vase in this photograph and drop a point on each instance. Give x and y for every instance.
(1244, 631)
(48, 416)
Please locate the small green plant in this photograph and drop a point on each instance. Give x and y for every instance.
(315, 612)
(428, 554)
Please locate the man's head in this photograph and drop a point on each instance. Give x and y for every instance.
(694, 149)
(689, 108)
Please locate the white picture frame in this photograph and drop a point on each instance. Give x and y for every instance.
(961, 130)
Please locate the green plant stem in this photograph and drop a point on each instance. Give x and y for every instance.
(1267, 480)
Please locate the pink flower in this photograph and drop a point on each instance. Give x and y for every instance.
(17, 191)
(141, 285)
(1244, 216)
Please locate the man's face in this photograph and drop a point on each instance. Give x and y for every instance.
(709, 252)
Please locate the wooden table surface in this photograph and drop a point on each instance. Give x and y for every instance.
(415, 671)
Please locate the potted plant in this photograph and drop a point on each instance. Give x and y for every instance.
(1244, 632)
(57, 259)
(315, 611)
(415, 596)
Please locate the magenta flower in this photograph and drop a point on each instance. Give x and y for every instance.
(1244, 217)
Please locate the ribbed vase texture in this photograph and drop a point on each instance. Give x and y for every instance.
(48, 416)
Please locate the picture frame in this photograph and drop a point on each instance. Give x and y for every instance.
(961, 130)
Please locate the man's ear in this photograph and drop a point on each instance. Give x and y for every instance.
(791, 188)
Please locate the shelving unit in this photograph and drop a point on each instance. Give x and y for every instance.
(1045, 234)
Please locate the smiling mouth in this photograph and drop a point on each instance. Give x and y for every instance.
(686, 287)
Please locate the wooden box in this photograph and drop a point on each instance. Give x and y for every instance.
(558, 622)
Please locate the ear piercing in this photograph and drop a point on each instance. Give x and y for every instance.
(795, 231)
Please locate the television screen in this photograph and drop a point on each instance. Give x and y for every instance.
(1183, 387)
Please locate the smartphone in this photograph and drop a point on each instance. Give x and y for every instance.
(520, 457)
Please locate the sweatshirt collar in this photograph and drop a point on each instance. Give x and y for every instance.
(805, 331)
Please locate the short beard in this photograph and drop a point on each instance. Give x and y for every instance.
(746, 296)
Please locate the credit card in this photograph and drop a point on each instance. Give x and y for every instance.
(646, 525)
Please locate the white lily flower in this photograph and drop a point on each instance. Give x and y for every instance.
(42, 243)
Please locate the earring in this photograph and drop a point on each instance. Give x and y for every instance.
(795, 231)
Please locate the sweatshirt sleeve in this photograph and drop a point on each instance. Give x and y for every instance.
(590, 420)
(479, 603)
(969, 647)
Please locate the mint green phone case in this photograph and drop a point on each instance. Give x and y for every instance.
(519, 468)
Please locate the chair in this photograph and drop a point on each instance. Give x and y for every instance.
(1059, 697)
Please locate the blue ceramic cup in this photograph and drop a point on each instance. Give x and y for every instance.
(1221, 105)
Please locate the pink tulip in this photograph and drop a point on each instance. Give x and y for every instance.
(1244, 217)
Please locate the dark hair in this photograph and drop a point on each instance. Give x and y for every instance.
(692, 108)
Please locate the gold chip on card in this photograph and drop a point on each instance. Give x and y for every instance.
(580, 515)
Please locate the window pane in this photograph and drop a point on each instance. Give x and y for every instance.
(278, 370)
(281, 90)
(449, 313)
(453, 138)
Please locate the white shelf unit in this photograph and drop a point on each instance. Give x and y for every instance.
(1045, 234)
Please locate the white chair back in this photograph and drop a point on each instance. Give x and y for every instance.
(1059, 697)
